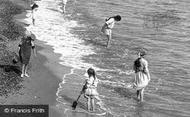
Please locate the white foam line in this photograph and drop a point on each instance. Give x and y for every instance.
(51, 27)
(60, 87)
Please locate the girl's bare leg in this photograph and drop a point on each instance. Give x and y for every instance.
(92, 103)
(88, 103)
(25, 71)
(64, 5)
(141, 94)
(138, 94)
(109, 38)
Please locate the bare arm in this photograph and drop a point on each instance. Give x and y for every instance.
(84, 86)
(146, 70)
(33, 48)
(20, 43)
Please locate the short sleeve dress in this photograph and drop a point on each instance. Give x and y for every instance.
(91, 87)
(107, 28)
(141, 78)
(25, 50)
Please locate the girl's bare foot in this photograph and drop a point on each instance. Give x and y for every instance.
(26, 75)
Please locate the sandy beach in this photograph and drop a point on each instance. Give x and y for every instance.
(41, 86)
(68, 44)
(46, 82)
(45, 75)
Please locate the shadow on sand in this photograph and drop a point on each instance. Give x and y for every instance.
(11, 68)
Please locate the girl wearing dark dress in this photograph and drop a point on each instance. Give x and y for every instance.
(25, 47)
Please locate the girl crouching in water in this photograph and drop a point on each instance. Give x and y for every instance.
(108, 26)
(142, 76)
(90, 90)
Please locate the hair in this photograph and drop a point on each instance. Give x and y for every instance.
(117, 18)
(34, 6)
(142, 53)
(138, 66)
(91, 72)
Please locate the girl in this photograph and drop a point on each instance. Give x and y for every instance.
(142, 76)
(25, 47)
(109, 24)
(34, 8)
(90, 89)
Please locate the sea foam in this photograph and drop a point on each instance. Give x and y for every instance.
(52, 28)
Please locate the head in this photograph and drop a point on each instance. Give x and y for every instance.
(117, 18)
(141, 53)
(34, 6)
(28, 33)
(91, 72)
(138, 66)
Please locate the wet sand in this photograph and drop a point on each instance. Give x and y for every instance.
(41, 86)
(45, 75)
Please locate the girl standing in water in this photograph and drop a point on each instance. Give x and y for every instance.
(25, 47)
(109, 24)
(90, 90)
(142, 76)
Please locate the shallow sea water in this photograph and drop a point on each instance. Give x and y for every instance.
(159, 26)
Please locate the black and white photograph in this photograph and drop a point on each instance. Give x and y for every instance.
(94, 58)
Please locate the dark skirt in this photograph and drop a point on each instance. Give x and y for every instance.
(25, 52)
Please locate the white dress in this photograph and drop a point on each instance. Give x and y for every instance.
(107, 28)
(91, 87)
(64, 1)
(141, 78)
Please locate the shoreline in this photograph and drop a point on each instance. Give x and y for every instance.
(45, 75)
(41, 87)
(46, 82)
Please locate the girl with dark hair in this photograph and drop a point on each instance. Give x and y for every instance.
(109, 24)
(90, 89)
(142, 76)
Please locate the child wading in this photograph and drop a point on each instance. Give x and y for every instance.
(109, 24)
(64, 2)
(25, 47)
(89, 89)
(34, 9)
(142, 76)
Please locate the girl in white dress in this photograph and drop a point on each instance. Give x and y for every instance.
(34, 8)
(142, 76)
(90, 89)
(109, 24)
